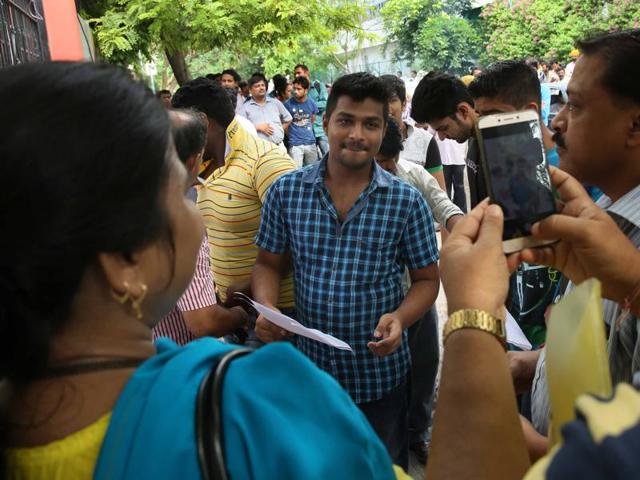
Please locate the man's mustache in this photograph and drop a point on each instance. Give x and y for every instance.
(559, 140)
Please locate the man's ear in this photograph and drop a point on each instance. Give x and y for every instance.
(533, 106)
(465, 110)
(325, 123)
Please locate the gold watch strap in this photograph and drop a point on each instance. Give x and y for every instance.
(477, 319)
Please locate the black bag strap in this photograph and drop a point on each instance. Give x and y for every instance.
(209, 434)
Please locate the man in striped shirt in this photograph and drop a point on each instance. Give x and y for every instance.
(239, 170)
(196, 313)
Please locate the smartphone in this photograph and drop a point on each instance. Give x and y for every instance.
(516, 174)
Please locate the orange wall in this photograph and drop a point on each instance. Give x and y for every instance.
(63, 31)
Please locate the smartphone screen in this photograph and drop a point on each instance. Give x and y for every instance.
(518, 175)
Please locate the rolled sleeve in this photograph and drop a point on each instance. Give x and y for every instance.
(285, 116)
(418, 246)
(272, 235)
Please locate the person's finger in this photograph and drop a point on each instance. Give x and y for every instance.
(561, 227)
(466, 230)
(568, 187)
(513, 261)
(491, 227)
(382, 329)
(539, 256)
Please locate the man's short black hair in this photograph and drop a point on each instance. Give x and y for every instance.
(230, 71)
(621, 52)
(395, 86)
(243, 84)
(302, 81)
(189, 130)
(514, 82)
(359, 86)
(392, 142)
(214, 76)
(302, 66)
(163, 92)
(437, 96)
(208, 97)
(257, 77)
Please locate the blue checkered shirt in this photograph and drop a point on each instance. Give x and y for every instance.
(347, 275)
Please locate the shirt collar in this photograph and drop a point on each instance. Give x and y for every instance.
(625, 207)
(267, 99)
(315, 174)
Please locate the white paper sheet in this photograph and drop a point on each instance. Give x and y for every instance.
(290, 325)
(515, 335)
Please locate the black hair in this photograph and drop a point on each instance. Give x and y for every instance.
(437, 96)
(232, 93)
(302, 81)
(258, 77)
(392, 142)
(621, 52)
(514, 82)
(302, 66)
(100, 164)
(208, 97)
(532, 62)
(280, 83)
(214, 76)
(230, 71)
(189, 130)
(163, 92)
(243, 84)
(395, 86)
(359, 86)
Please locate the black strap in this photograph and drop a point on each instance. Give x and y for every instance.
(209, 434)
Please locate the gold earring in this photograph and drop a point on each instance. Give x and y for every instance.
(136, 303)
(121, 299)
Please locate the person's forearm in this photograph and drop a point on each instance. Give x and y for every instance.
(214, 321)
(265, 284)
(476, 432)
(419, 299)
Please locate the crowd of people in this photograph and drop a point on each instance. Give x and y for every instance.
(136, 228)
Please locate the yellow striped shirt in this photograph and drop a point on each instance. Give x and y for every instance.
(231, 202)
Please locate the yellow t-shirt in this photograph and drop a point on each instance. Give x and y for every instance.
(231, 202)
(73, 457)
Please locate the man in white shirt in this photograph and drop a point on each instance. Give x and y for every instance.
(453, 156)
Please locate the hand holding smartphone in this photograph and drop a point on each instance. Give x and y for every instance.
(516, 173)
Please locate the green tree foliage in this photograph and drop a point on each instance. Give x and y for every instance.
(432, 33)
(264, 29)
(550, 28)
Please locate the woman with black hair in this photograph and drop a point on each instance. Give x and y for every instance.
(98, 243)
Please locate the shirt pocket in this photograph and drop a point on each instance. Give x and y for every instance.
(374, 258)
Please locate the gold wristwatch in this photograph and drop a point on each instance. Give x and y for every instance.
(477, 319)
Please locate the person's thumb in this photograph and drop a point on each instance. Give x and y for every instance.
(491, 227)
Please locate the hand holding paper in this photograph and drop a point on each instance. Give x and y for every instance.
(290, 325)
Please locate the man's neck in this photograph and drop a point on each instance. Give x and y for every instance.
(618, 187)
(260, 101)
(339, 175)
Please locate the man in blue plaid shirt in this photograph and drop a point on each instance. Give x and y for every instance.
(350, 228)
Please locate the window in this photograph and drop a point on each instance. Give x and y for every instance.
(22, 32)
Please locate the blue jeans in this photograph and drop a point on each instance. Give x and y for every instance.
(388, 417)
(425, 355)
